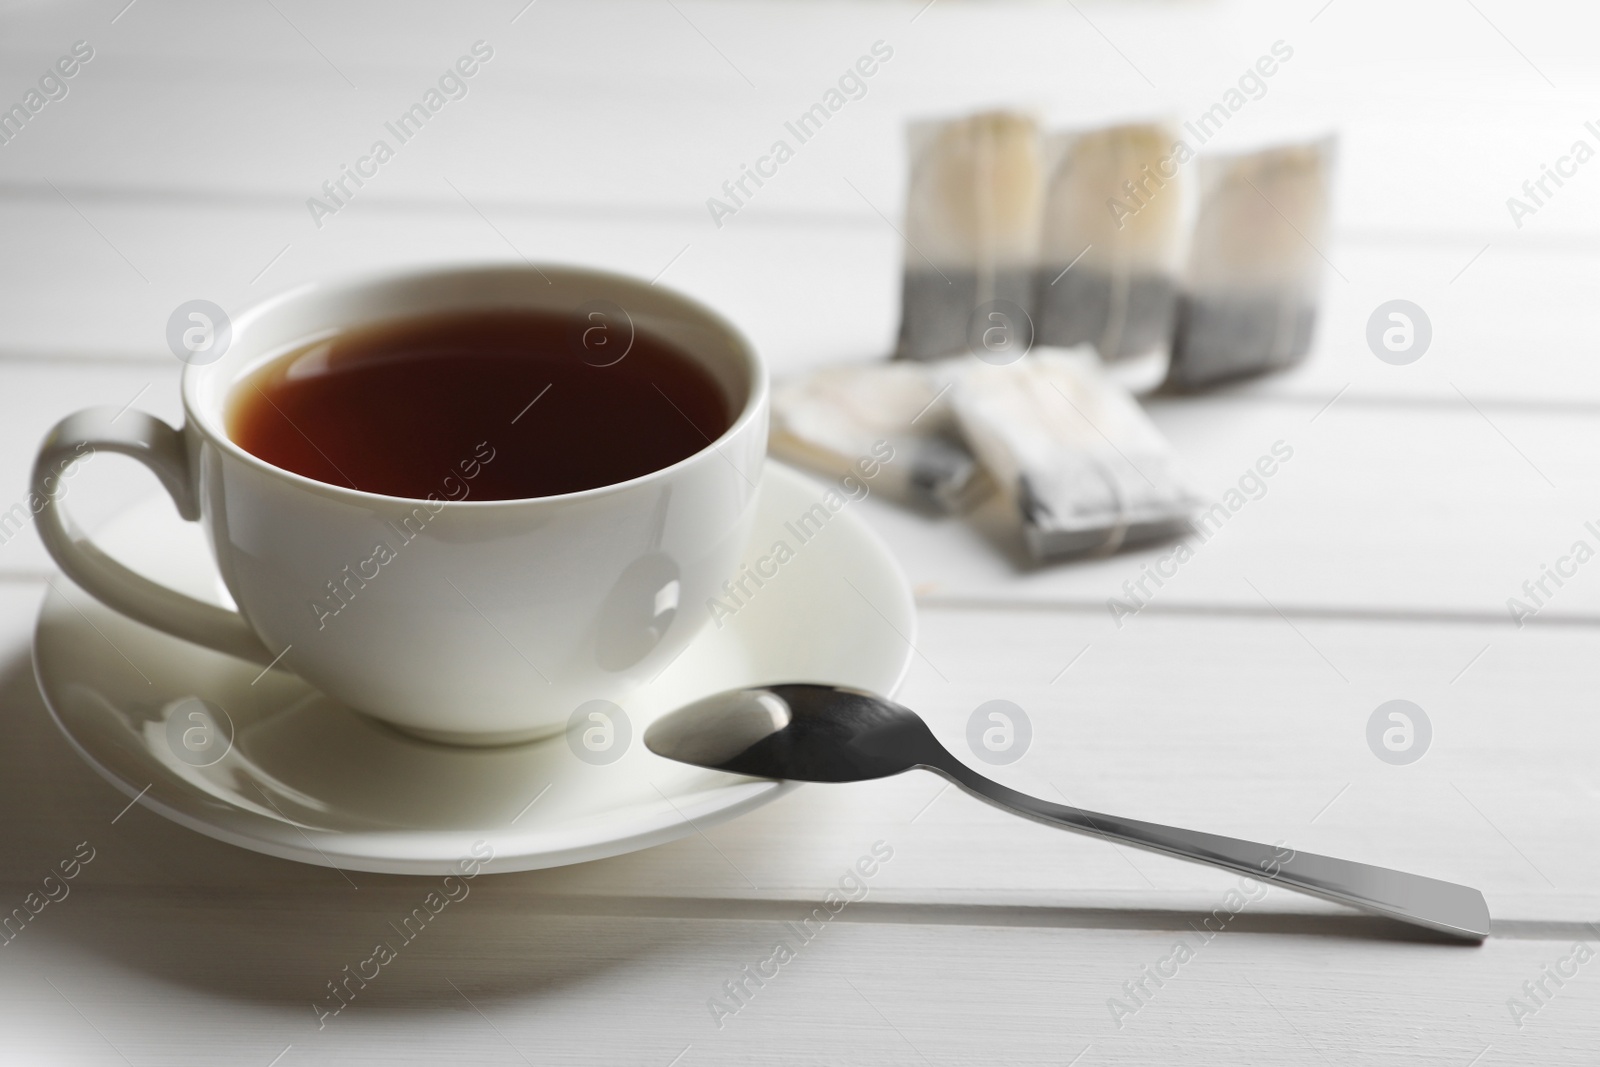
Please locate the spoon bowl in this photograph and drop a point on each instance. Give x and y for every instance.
(805, 733)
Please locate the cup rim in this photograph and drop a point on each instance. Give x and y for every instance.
(209, 424)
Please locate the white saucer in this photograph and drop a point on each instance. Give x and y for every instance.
(307, 779)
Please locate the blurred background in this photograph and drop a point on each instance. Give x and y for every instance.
(182, 159)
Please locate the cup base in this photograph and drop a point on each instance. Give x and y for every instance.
(474, 739)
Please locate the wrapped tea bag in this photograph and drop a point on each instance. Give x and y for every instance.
(1086, 468)
(834, 419)
(1108, 251)
(1255, 268)
(972, 229)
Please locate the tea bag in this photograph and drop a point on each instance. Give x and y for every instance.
(1085, 467)
(972, 230)
(1108, 252)
(835, 420)
(1255, 268)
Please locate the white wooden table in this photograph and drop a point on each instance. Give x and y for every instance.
(1376, 567)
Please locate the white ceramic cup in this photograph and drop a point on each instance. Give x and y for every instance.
(495, 619)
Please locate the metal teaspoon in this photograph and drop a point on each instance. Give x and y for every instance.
(822, 733)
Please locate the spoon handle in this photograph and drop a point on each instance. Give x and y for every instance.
(1446, 907)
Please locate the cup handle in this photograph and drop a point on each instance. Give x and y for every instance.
(161, 448)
